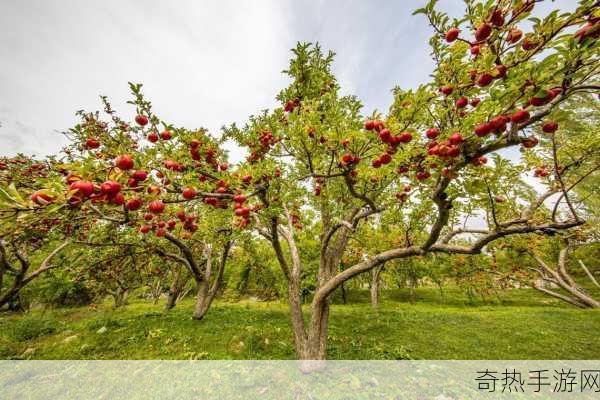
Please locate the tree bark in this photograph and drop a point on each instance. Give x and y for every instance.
(21, 279)
(120, 297)
(561, 277)
(174, 289)
(376, 279)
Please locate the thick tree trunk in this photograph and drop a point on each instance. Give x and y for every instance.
(204, 298)
(207, 293)
(376, 275)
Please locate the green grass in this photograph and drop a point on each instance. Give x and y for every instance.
(521, 324)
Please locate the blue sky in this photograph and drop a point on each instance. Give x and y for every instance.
(203, 63)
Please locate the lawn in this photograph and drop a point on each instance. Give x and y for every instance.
(519, 324)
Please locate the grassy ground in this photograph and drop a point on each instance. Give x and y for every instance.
(521, 324)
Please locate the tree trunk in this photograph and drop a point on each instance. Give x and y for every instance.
(10, 296)
(174, 289)
(207, 293)
(376, 274)
(343, 291)
(203, 301)
(120, 297)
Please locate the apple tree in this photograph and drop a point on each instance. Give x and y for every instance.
(440, 154)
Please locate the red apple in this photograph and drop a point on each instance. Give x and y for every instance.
(432, 133)
(405, 137)
(549, 127)
(92, 143)
(482, 130)
(152, 137)
(497, 17)
(483, 32)
(110, 188)
(124, 162)
(485, 79)
(189, 193)
(456, 138)
(134, 204)
(452, 34)
(519, 116)
(166, 135)
(139, 175)
(514, 35)
(462, 102)
(142, 120)
(156, 206)
(85, 188)
(447, 90)
(41, 198)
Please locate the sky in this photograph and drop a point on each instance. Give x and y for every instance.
(203, 63)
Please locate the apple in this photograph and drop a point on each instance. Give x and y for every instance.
(152, 137)
(134, 204)
(124, 162)
(519, 116)
(41, 198)
(483, 32)
(453, 151)
(402, 169)
(369, 125)
(475, 101)
(376, 163)
(118, 199)
(242, 212)
(405, 137)
(485, 79)
(189, 193)
(422, 175)
(160, 232)
(549, 127)
(456, 138)
(139, 175)
(156, 206)
(462, 102)
(484, 129)
(530, 142)
(499, 199)
(447, 90)
(432, 133)
(451, 35)
(145, 229)
(85, 188)
(528, 44)
(497, 17)
(499, 123)
(385, 135)
(239, 198)
(166, 135)
(385, 158)
(475, 49)
(514, 35)
(500, 71)
(110, 188)
(142, 120)
(92, 143)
